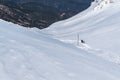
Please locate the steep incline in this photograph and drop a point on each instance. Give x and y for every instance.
(28, 54)
(99, 26)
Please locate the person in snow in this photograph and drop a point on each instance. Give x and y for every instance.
(82, 41)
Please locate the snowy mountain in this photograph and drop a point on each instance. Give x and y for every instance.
(52, 54)
(98, 26)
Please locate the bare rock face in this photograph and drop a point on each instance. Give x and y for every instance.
(11, 15)
(39, 14)
(25, 17)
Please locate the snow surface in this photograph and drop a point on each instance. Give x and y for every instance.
(30, 54)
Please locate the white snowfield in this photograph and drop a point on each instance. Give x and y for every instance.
(30, 54)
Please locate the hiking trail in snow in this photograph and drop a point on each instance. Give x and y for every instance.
(102, 53)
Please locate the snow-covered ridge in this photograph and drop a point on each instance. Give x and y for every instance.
(98, 26)
(103, 1)
(101, 4)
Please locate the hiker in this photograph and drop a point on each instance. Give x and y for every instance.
(82, 41)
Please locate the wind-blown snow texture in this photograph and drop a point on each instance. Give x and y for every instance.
(29, 54)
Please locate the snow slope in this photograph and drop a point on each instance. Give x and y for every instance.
(99, 26)
(28, 54)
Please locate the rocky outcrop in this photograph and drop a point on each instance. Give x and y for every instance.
(27, 18)
(39, 14)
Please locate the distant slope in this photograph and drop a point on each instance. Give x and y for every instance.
(29, 14)
(40, 13)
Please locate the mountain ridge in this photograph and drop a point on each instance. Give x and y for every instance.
(41, 14)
